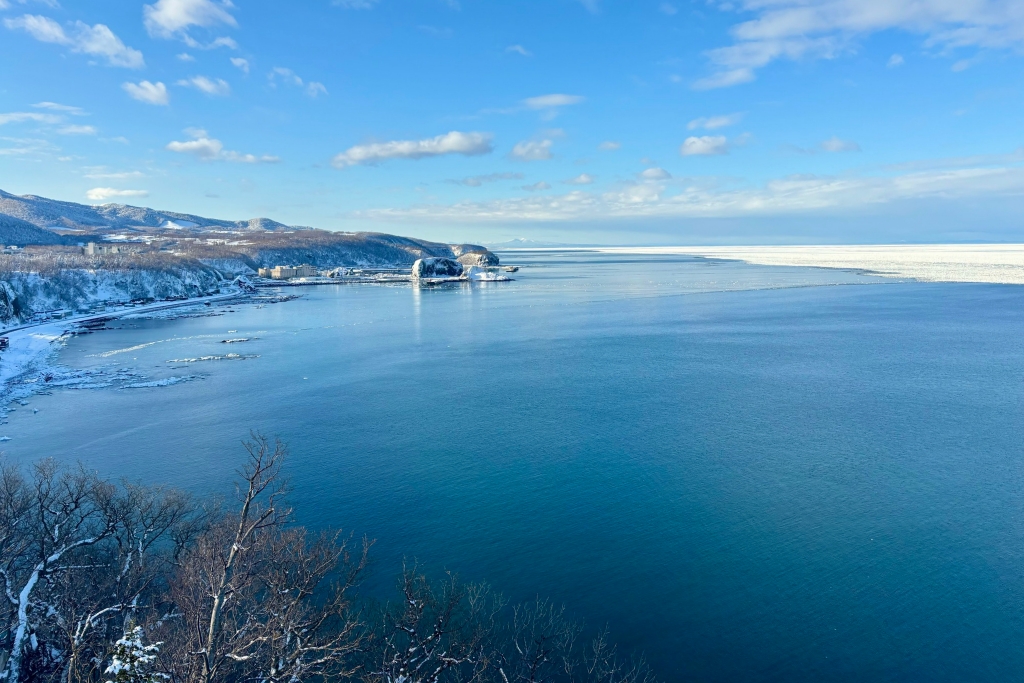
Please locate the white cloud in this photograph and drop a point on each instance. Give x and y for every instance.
(479, 180)
(77, 130)
(609, 146)
(355, 4)
(23, 116)
(206, 148)
(581, 179)
(214, 88)
(100, 173)
(705, 145)
(67, 109)
(223, 41)
(455, 142)
(834, 144)
(99, 194)
(185, 57)
(667, 9)
(167, 18)
(532, 150)
(552, 101)
(724, 79)
(98, 40)
(655, 174)
(894, 61)
(150, 93)
(593, 6)
(536, 187)
(519, 49)
(714, 122)
(707, 197)
(240, 63)
(824, 29)
(438, 32)
(279, 73)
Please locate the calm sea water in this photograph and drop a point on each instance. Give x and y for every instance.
(751, 473)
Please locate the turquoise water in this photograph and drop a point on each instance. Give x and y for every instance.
(752, 473)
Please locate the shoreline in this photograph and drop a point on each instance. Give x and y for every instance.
(32, 346)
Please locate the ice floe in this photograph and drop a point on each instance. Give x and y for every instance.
(992, 263)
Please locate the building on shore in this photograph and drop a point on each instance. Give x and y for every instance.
(93, 249)
(288, 272)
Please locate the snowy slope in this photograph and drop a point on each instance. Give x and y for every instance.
(51, 213)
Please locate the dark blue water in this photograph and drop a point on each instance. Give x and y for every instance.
(753, 474)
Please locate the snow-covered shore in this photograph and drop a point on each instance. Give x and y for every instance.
(27, 366)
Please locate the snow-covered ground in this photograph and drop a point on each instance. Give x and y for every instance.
(995, 263)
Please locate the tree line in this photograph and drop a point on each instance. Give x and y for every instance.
(115, 581)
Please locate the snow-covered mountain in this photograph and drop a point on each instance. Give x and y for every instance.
(52, 214)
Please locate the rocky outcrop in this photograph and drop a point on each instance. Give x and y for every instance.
(436, 267)
(8, 306)
(460, 249)
(478, 258)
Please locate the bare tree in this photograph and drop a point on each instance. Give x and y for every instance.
(430, 636)
(48, 520)
(122, 580)
(257, 601)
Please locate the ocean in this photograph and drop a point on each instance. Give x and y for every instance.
(751, 473)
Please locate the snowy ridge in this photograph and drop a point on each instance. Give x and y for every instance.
(51, 213)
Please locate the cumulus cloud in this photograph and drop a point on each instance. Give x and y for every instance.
(536, 187)
(824, 29)
(100, 194)
(150, 93)
(705, 145)
(609, 146)
(655, 174)
(519, 50)
(478, 180)
(314, 89)
(240, 63)
(834, 144)
(532, 150)
(170, 18)
(214, 88)
(894, 61)
(185, 57)
(714, 122)
(23, 116)
(98, 41)
(205, 148)
(455, 142)
(581, 179)
(77, 130)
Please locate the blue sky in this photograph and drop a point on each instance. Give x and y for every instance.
(647, 122)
